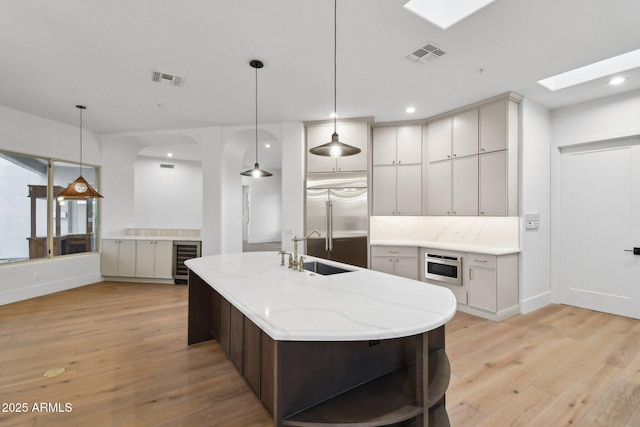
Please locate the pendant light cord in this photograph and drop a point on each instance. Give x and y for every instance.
(80, 141)
(256, 97)
(335, 66)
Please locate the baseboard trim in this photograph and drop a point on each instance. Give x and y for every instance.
(534, 303)
(496, 317)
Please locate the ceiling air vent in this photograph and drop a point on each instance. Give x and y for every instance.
(167, 79)
(167, 166)
(426, 53)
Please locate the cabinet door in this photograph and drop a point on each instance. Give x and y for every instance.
(439, 140)
(406, 267)
(109, 257)
(493, 184)
(409, 143)
(465, 186)
(163, 260)
(409, 190)
(355, 134)
(465, 134)
(145, 258)
(439, 185)
(384, 190)
(382, 264)
(127, 258)
(384, 146)
(482, 288)
(318, 135)
(493, 126)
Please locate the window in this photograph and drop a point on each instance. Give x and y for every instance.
(29, 228)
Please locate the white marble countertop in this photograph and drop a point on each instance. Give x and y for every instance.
(458, 247)
(292, 306)
(170, 238)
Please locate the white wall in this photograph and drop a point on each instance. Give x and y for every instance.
(293, 192)
(28, 134)
(167, 197)
(605, 119)
(265, 201)
(534, 194)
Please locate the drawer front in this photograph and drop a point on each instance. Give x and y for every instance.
(394, 251)
(480, 260)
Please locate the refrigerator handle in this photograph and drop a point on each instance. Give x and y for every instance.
(329, 240)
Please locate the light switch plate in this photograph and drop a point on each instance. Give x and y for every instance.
(532, 221)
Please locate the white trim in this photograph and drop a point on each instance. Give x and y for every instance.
(496, 317)
(534, 303)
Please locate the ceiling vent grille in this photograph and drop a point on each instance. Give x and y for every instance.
(166, 166)
(167, 79)
(427, 53)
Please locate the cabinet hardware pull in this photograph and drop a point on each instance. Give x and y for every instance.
(480, 260)
(394, 252)
(455, 155)
(470, 277)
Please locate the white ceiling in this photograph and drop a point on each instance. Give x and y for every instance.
(59, 53)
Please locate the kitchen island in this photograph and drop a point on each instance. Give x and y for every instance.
(357, 347)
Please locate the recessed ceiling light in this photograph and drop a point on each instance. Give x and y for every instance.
(445, 13)
(267, 145)
(617, 80)
(169, 154)
(604, 68)
(410, 110)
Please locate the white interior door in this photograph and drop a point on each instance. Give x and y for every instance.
(600, 204)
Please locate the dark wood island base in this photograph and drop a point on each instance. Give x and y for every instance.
(391, 382)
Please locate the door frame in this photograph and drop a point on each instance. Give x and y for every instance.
(556, 198)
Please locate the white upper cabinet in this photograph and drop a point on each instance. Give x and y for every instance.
(493, 184)
(351, 133)
(465, 134)
(384, 190)
(397, 145)
(409, 144)
(493, 126)
(409, 190)
(384, 146)
(464, 193)
(439, 140)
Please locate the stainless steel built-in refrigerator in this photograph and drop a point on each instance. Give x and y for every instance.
(337, 207)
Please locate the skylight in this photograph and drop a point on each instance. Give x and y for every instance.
(607, 67)
(445, 13)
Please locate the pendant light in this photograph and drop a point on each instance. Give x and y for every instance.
(256, 172)
(80, 188)
(335, 148)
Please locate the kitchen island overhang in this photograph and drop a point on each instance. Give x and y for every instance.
(361, 346)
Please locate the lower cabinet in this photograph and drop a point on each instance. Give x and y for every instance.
(397, 260)
(149, 259)
(118, 258)
(489, 285)
(153, 258)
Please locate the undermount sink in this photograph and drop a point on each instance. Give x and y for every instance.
(323, 269)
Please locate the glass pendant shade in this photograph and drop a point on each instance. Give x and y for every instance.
(256, 172)
(80, 188)
(335, 148)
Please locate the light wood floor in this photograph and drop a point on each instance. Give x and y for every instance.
(123, 346)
